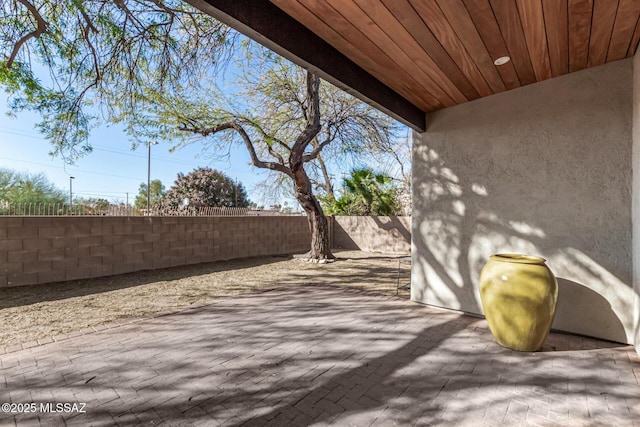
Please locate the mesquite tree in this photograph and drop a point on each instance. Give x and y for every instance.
(153, 65)
(287, 157)
(286, 118)
(77, 63)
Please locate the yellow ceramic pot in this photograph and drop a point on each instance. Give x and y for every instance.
(519, 295)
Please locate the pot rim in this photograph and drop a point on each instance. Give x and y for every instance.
(518, 258)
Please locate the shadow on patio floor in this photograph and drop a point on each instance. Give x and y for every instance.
(319, 355)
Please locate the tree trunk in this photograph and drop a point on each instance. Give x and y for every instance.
(328, 185)
(318, 224)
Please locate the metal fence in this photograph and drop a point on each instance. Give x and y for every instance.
(59, 209)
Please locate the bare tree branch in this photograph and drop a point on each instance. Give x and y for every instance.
(267, 137)
(247, 141)
(92, 48)
(41, 27)
(328, 184)
(88, 21)
(164, 7)
(316, 151)
(275, 154)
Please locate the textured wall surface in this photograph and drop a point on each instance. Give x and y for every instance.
(51, 249)
(373, 234)
(544, 169)
(636, 192)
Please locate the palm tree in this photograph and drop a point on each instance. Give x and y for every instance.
(367, 193)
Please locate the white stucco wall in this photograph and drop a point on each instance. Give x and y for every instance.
(545, 169)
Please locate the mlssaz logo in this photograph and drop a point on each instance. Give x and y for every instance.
(63, 407)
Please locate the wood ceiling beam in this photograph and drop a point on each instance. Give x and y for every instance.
(270, 26)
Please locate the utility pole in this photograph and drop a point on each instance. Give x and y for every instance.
(149, 177)
(71, 178)
(236, 192)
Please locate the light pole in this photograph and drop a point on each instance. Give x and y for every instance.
(149, 176)
(71, 178)
(236, 192)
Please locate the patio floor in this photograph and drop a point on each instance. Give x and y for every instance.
(318, 355)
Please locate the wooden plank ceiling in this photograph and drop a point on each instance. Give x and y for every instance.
(439, 53)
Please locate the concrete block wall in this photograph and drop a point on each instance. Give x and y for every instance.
(37, 250)
(373, 234)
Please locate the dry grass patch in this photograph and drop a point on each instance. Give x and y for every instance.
(28, 313)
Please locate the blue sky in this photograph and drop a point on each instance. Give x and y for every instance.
(112, 169)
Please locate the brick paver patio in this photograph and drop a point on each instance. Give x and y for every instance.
(314, 356)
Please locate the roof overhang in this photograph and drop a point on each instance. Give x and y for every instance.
(410, 57)
(270, 26)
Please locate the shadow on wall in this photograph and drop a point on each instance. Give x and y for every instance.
(577, 301)
(545, 169)
(372, 233)
(578, 222)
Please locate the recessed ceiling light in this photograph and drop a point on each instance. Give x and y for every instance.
(502, 60)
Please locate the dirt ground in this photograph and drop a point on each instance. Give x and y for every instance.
(29, 313)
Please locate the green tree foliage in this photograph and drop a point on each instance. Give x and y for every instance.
(205, 187)
(156, 193)
(92, 205)
(101, 204)
(104, 54)
(20, 187)
(366, 193)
